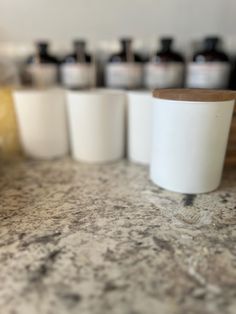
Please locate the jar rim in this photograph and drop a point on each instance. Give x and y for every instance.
(194, 94)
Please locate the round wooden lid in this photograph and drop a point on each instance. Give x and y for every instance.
(192, 94)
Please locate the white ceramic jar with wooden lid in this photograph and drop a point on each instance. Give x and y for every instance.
(189, 138)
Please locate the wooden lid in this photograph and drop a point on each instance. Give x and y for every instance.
(192, 94)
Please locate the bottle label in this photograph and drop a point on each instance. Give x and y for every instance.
(208, 75)
(163, 75)
(124, 75)
(42, 75)
(78, 75)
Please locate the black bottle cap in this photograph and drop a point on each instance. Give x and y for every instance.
(211, 42)
(78, 43)
(42, 44)
(166, 42)
(125, 40)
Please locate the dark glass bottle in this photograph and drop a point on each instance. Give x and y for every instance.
(232, 81)
(77, 69)
(210, 52)
(166, 53)
(42, 54)
(165, 69)
(79, 54)
(210, 67)
(42, 67)
(124, 69)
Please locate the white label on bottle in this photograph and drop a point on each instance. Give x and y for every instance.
(124, 75)
(42, 75)
(163, 75)
(78, 75)
(208, 75)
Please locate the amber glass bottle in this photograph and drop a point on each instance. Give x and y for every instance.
(124, 69)
(78, 69)
(210, 67)
(41, 68)
(165, 69)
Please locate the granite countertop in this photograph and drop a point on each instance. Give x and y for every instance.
(77, 238)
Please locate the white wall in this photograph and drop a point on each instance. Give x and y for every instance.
(102, 20)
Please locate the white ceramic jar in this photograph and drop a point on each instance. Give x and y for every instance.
(42, 122)
(139, 126)
(97, 124)
(189, 138)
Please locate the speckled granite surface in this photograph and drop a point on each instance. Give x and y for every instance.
(86, 239)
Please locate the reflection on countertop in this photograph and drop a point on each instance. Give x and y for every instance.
(78, 238)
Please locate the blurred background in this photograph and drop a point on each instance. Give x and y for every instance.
(102, 22)
(76, 44)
